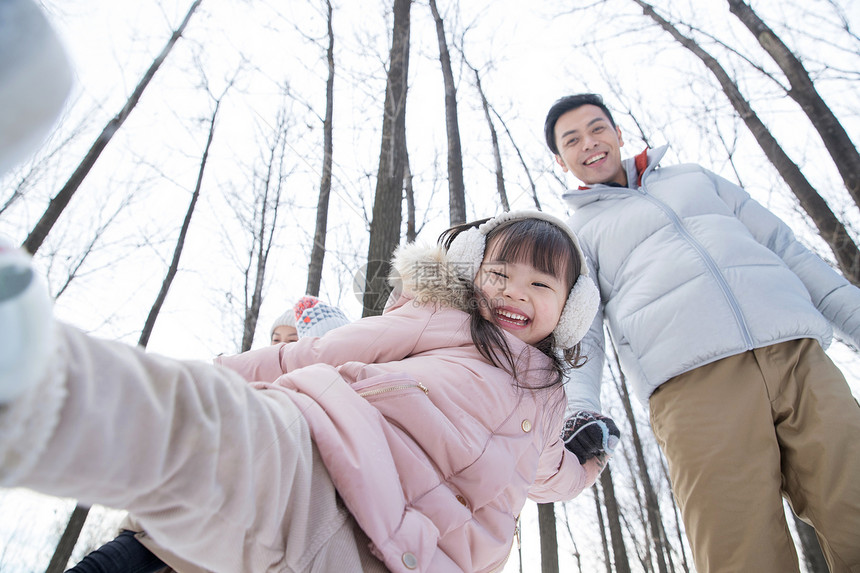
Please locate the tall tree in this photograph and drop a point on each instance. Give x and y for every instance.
(677, 516)
(387, 204)
(456, 187)
(652, 507)
(315, 267)
(61, 199)
(411, 231)
(68, 539)
(262, 222)
(613, 518)
(548, 538)
(494, 140)
(833, 134)
(576, 553)
(829, 227)
(154, 311)
(522, 160)
(604, 542)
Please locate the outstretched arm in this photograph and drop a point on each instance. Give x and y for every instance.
(392, 336)
(192, 450)
(834, 296)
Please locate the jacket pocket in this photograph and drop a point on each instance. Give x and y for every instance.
(379, 386)
(393, 388)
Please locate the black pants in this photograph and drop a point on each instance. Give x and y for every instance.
(124, 554)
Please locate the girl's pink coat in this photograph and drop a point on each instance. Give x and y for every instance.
(443, 474)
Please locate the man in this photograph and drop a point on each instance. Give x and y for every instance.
(719, 316)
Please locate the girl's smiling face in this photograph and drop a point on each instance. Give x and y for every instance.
(520, 298)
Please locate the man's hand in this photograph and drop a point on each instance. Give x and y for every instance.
(589, 434)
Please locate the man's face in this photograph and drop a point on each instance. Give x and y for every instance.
(589, 147)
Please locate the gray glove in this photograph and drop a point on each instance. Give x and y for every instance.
(589, 434)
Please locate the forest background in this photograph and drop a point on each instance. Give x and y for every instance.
(177, 204)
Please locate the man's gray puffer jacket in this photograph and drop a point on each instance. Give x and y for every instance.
(691, 269)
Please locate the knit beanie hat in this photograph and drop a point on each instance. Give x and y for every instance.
(286, 319)
(315, 318)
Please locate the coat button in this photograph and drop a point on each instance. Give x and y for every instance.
(527, 426)
(462, 500)
(410, 560)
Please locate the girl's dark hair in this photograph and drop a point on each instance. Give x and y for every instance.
(542, 245)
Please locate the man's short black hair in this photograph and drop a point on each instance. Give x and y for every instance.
(563, 106)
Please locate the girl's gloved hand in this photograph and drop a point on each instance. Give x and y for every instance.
(589, 434)
(25, 323)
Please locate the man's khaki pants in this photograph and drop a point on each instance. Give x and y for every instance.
(744, 431)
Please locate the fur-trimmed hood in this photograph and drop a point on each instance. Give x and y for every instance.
(426, 273)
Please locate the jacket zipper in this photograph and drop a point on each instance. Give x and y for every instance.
(515, 541)
(709, 261)
(378, 391)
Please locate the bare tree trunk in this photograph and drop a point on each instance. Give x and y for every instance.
(613, 516)
(68, 540)
(835, 138)
(267, 205)
(411, 231)
(642, 550)
(315, 267)
(522, 161)
(387, 205)
(548, 538)
(652, 506)
(829, 227)
(684, 562)
(61, 199)
(607, 558)
(576, 553)
(456, 187)
(180, 242)
(494, 139)
(812, 554)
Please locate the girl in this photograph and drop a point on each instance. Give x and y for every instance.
(404, 442)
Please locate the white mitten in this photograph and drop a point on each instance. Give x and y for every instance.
(26, 323)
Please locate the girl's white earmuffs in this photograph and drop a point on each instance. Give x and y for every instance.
(467, 249)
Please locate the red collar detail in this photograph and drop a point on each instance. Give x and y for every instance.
(641, 162)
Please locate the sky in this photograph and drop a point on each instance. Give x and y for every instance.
(522, 56)
(528, 53)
